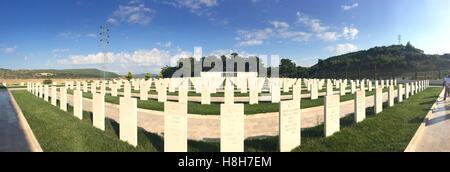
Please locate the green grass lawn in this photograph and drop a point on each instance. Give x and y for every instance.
(391, 130)
(59, 131)
(388, 131)
(214, 108)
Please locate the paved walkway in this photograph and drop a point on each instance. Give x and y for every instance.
(12, 136)
(205, 127)
(435, 135)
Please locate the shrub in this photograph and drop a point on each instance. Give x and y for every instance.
(48, 82)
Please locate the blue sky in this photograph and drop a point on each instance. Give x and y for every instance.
(148, 34)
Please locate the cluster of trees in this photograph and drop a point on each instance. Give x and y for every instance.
(233, 63)
(380, 62)
(377, 63)
(130, 76)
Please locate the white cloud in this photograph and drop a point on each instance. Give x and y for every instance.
(198, 7)
(134, 12)
(350, 32)
(254, 37)
(328, 36)
(279, 25)
(349, 7)
(193, 4)
(112, 21)
(165, 45)
(60, 50)
(137, 58)
(180, 55)
(91, 35)
(314, 24)
(324, 32)
(69, 35)
(295, 36)
(9, 50)
(342, 48)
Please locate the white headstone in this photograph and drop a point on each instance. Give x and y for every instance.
(400, 92)
(378, 107)
(143, 93)
(314, 91)
(332, 114)
(297, 92)
(229, 92)
(407, 90)
(162, 94)
(232, 127)
(342, 88)
(85, 87)
(98, 106)
(54, 97)
(360, 106)
(183, 92)
(113, 89)
(290, 125)
(93, 88)
(46, 93)
(391, 96)
(103, 88)
(175, 127)
(353, 87)
(127, 90)
(254, 96)
(128, 120)
(329, 89)
(63, 99)
(206, 96)
(78, 104)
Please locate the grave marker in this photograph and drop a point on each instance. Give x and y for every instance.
(98, 106)
(128, 120)
(360, 106)
(378, 99)
(391, 95)
(232, 127)
(290, 125)
(54, 98)
(63, 99)
(175, 127)
(78, 104)
(332, 114)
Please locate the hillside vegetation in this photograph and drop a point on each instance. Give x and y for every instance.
(378, 62)
(49, 73)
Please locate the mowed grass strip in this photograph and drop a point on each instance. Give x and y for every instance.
(388, 131)
(214, 108)
(59, 131)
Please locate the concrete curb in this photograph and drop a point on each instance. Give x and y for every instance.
(413, 143)
(33, 143)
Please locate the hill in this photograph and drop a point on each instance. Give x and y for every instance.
(51, 73)
(377, 62)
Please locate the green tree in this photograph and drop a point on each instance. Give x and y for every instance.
(148, 76)
(287, 68)
(129, 76)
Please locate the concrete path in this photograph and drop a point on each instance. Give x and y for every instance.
(13, 136)
(206, 127)
(434, 135)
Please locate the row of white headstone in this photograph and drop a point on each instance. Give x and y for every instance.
(332, 103)
(254, 86)
(231, 116)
